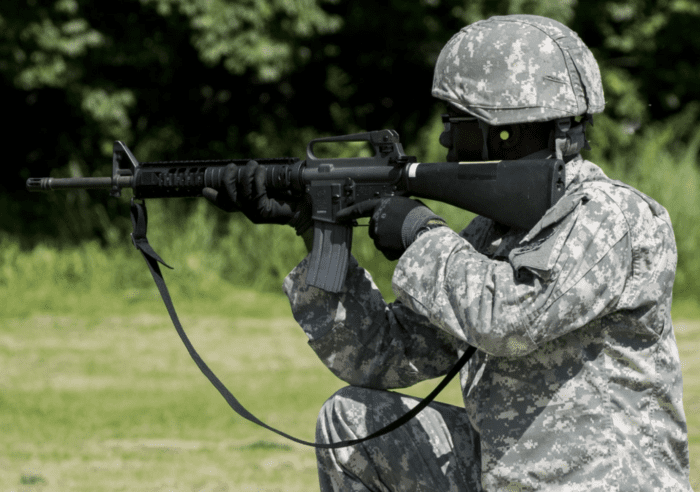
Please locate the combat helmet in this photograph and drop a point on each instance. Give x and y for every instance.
(520, 69)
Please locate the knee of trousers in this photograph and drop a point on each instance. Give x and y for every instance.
(347, 414)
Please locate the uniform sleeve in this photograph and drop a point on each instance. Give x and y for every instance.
(570, 269)
(362, 339)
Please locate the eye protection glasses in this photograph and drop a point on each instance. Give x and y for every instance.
(448, 120)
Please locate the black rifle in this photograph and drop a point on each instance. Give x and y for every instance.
(513, 193)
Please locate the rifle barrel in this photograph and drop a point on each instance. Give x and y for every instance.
(46, 184)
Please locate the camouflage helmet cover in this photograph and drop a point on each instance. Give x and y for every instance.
(518, 69)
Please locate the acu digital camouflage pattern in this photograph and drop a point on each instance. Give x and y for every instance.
(518, 69)
(434, 451)
(576, 384)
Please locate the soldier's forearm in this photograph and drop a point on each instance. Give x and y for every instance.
(308, 238)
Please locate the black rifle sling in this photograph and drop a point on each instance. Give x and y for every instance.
(139, 220)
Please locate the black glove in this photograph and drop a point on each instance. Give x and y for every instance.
(395, 222)
(245, 190)
(226, 201)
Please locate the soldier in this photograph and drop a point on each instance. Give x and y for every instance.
(576, 383)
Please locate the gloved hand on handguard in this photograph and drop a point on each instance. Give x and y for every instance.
(245, 191)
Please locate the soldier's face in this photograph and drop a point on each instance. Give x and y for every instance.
(461, 137)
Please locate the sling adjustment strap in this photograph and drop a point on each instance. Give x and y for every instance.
(139, 220)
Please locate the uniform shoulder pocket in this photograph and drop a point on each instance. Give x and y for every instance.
(538, 251)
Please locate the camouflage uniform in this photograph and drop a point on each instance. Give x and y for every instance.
(576, 384)
(577, 379)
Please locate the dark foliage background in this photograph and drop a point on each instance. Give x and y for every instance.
(212, 79)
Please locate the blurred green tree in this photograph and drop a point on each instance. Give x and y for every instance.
(212, 78)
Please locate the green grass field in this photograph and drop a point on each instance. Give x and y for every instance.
(97, 392)
(102, 395)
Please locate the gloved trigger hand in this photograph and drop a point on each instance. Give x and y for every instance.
(395, 222)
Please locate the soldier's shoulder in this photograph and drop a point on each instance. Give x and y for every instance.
(640, 213)
(631, 202)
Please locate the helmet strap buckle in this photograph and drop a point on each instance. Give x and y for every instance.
(485, 135)
(570, 140)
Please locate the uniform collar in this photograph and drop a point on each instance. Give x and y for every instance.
(579, 171)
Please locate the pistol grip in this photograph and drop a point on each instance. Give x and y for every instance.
(329, 256)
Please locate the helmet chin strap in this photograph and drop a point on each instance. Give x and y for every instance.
(484, 133)
(570, 140)
(565, 139)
